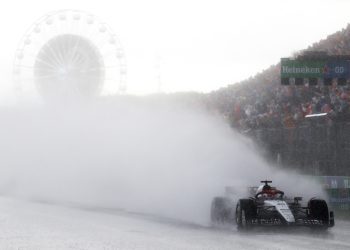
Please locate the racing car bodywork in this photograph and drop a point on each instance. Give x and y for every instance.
(269, 207)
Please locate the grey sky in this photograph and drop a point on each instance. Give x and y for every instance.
(198, 45)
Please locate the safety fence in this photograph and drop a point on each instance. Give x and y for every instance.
(315, 148)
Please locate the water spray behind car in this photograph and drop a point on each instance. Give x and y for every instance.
(139, 154)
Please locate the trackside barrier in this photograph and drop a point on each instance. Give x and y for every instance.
(338, 190)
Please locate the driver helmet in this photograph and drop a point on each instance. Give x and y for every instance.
(266, 190)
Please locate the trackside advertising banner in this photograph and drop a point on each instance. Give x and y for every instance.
(335, 182)
(301, 69)
(337, 69)
(315, 69)
(338, 190)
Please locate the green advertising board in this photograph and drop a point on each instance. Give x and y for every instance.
(301, 69)
(338, 190)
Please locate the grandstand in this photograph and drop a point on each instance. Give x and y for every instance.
(287, 120)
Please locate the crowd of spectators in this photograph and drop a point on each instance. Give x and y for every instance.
(262, 101)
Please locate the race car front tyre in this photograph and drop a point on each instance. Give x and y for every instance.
(318, 210)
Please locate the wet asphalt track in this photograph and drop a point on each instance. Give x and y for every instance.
(30, 225)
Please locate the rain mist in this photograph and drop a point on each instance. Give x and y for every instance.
(138, 154)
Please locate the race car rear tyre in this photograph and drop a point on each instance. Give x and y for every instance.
(245, 214)
(318, 210)
(220, 210)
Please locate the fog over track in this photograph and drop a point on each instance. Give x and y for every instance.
(146, 155)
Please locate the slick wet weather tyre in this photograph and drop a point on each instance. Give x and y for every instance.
(318, 210)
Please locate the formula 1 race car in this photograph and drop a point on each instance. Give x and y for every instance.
(268, 206)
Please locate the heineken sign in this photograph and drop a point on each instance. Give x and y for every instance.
(326, 68)
(302, 69)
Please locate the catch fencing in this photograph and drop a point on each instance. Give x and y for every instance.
(314, 148)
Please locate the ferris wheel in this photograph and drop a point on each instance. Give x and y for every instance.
(69, 53)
